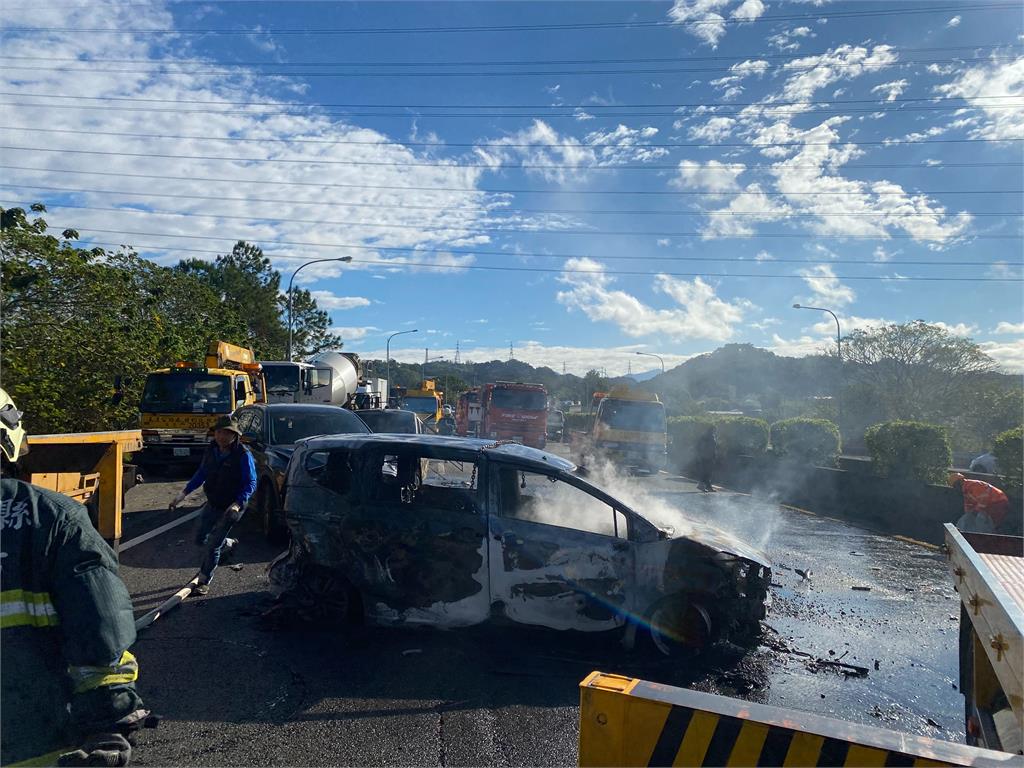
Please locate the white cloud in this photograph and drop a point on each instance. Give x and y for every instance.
(880, 254)
(957, 329)
(355, 333)
(697, 312)
(954, 22)
(766, 323)
(764, 256)
(892, 89)
(826, 287)
(789, 39)
(376, 203)
(714, 130)
(987, 89)
(664, 242)
(704, 20)
(843, 62)
(327, 300)
(712, 176)
(740, 70)
(1005, 327)
(800, 347)
(1009, 354)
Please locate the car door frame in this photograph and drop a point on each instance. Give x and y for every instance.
(559, 577)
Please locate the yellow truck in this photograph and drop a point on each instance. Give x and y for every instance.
(629, 428)
(180, 404)
(427, 402)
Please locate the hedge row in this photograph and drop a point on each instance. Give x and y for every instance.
(909, 449)
(811, 441)
(1008, 448)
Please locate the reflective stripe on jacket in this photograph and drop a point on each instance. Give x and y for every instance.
(66, 620)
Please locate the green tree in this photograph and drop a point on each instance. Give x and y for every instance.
(74, 318)
(311, 332)
(916, 371)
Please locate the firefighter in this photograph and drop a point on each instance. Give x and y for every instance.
(68, 677)
(985, 506)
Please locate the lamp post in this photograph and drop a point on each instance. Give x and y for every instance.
(839, 357)
(291, 280)
(651, 354)
(387, 355)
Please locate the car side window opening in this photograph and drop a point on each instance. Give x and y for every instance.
(331, 469)
(427, 483)
(256, 425)
(243, 417)
(546, 499)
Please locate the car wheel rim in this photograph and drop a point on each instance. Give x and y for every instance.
(674, 627)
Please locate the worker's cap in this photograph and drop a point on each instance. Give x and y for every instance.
(228, 423)
(956, 477)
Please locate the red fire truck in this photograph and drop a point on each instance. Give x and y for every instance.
(514, 411)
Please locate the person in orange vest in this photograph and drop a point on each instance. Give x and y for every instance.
(985, 506)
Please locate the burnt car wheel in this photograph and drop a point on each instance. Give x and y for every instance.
(325, 597)
(275, 532)
(679, 627)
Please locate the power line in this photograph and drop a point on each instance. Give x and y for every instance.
(595, 146)
(577, 26)
(495, 225)
(644, 273)
(770, 235)
(161, 67)
(489, 191)
(510, 63)
(880, 101)
(623, 257)
(464, 209)
(488, 166)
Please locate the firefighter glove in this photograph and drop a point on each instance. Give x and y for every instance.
(234, 512)
(103, 749)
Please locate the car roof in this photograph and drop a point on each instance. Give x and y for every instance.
(361, 411)
(297, 407)
(515, 453)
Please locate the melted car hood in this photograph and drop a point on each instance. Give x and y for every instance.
(716, 539)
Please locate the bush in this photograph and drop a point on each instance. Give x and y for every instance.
(742, 435)
(578, 422)
(814, 441)
(1008, 448)
(683, 433)
(910, 449)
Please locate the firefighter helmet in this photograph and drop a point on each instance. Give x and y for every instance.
(13, 440)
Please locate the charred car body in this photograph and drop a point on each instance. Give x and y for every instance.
(424, 529)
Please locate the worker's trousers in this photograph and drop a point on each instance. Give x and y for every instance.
(212, 533)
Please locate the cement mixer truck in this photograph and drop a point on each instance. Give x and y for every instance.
(330, 377)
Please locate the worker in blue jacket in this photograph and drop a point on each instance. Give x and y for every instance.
(66, 625)
(228, 476)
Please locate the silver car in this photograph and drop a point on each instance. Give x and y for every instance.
(423, 529)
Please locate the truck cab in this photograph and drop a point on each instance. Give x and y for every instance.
(180, 404)
(289, 382)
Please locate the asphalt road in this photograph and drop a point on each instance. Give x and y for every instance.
(235, 692)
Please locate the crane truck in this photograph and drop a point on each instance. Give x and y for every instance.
(181, 403)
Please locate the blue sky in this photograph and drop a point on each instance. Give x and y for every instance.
(559, 180)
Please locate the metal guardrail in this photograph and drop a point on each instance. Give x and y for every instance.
(629, 722)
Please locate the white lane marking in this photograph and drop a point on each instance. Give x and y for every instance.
(157, 531)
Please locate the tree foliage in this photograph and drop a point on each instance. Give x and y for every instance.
(74, 318)
(813, 441)
(1008, 448)
(910, 449)
(741, 435)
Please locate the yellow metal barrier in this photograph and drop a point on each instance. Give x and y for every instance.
(630, 722)
(81, 463)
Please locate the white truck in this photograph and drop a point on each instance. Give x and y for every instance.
(332, 378)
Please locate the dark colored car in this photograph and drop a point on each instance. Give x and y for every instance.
(271, 432)
(443, 531)
(391, 421)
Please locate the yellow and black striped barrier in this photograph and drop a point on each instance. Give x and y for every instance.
(630, 722)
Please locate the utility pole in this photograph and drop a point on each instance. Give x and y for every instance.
(457, 358)
(511, 353)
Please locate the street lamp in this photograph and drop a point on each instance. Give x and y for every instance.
(839, 357)
(651, 354)
(291, 280)
(387, 355)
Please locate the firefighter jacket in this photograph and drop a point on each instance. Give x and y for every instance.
(982, 498)
(65, 622)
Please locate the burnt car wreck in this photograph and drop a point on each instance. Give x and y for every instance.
(401, 529)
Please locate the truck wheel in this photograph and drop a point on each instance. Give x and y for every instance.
(265, 508)
(678, 627)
